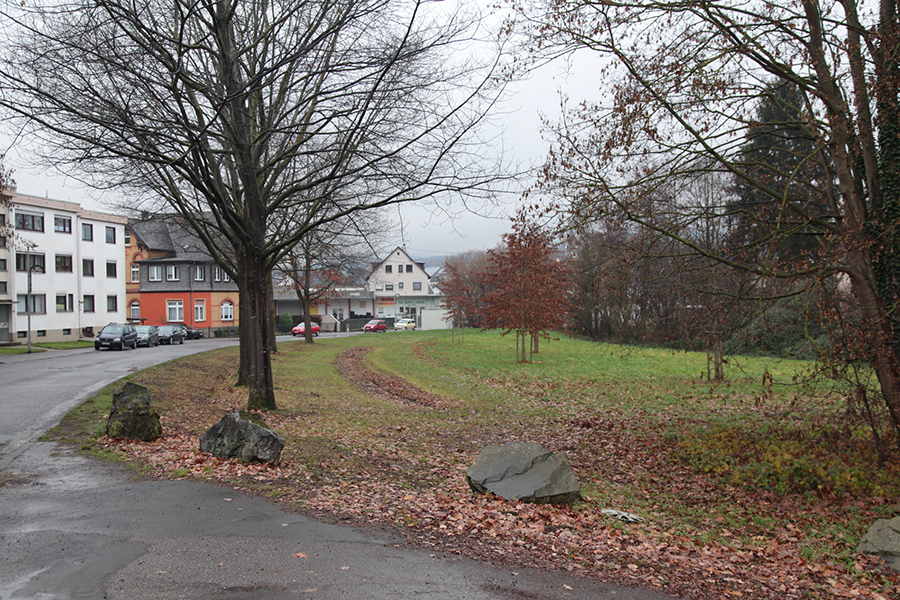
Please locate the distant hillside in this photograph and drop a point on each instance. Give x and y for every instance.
(433, 261)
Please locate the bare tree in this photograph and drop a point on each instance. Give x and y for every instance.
(236, 112)
(685, 82)
(329, 258)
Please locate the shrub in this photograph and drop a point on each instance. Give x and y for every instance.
(285, 322)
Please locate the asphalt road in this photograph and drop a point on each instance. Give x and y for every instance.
(73, 527)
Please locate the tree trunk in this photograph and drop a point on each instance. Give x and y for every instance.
(243, 378)
(877, 322)
(261, 382)
(718, 359)
(307, 306)
(273, 317)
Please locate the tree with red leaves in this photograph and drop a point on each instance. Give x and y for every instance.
(530, 286)
(457, 298)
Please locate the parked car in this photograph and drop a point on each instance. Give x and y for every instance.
(148, 335)
(403, 324)
(192, 333)
(116, 335)
(375, 325)
(301, 329)
(170, 334)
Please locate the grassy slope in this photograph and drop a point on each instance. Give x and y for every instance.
(747, 468)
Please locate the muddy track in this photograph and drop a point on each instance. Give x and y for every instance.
(354, 367)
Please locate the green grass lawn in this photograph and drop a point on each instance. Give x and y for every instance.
(20, 349)
(42, 346)
(767, 462)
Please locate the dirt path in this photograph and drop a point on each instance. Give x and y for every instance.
(353, 366)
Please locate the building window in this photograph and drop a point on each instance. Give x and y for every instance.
(63, 263)
(135, 273)
(111, 269)
(112, 303)
(154, 273)
(400, 285)
(127, 238)
(42, 333)
(220, 274)
(388, 269)
(379, 287)
(35, 304)
(3, 289)
(62, 224)
(2, 264)
(199, 310)
(87, 232)
(110, 235)
(388, 287)
(417, 285)
(87, 267)
(65, 303)
(30, 221)
(88, 304)
(175, 311)
(67, 332)
(26, 261)
(409, 268)
(227, 311)
(172, 273)
(135, 314)
(199, 273)
(21, 334)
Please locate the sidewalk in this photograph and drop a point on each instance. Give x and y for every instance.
(73, 527)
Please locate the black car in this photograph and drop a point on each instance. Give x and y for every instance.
(192, 333)
(148, 335)
(117, 335)
(170, 334)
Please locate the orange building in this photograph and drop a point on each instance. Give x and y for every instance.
(171, 278)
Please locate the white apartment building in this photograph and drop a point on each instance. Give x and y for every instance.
(75, 260)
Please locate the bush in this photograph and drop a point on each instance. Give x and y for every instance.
(767, 461)
(790, 328)
(285, 322)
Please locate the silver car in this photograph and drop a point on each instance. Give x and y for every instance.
(148, 335)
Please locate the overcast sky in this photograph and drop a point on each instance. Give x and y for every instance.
(424, 233)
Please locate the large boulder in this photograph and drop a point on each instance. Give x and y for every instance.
(131, 417)
(244, 435)
(883, 539)
(524, 471)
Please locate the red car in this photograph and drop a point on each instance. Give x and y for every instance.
(301, 329)
(375, 325)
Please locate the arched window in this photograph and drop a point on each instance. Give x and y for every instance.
(135, 310)
(227, 311)
(135, 273)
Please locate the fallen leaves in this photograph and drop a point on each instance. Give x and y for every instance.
(413, 478)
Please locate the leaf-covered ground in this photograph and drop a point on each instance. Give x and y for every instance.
(367, 445)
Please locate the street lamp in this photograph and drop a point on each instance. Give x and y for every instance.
(29, 309)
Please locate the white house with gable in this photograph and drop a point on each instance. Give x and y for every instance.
(402, 288)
